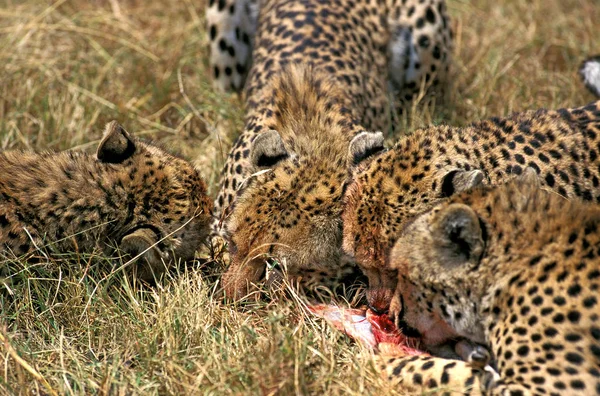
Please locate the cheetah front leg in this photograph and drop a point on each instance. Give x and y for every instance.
(231, 28)
(427, 374)
(423, 374)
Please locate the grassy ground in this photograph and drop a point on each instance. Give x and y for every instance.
(69, 66)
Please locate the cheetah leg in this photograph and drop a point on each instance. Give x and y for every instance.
(426, 374)
(231, 28)
(474, 354)
(433, 375)
(420, 47)
(501, 389)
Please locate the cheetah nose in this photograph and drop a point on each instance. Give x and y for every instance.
(377, 308)
(378, 300)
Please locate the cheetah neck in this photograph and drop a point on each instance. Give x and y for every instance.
(516, 267)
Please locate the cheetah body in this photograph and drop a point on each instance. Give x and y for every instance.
(423, 169)
(132, 195)
(515, 268)
(318, 81)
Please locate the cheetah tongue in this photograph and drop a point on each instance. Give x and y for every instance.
(376, 332)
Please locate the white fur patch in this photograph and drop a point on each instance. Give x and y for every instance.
(236, 32)
(403, 58)
(590, 73)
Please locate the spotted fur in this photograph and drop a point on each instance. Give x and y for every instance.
(419, 45)
(424, 169)
(515, 268)
(131, 195)
(316, 91)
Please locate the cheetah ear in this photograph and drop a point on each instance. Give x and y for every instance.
(364, 145)
(457, 235)
(460, 180)
(268, 149)
(116, 146)
(529, 177)
(527, 183)
(142, 242)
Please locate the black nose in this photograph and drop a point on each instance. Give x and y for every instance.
(378, 311)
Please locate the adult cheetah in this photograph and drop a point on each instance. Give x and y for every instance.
(432, 164)
(317, 88)
(131, 195)
(419, 45)
(513, 267)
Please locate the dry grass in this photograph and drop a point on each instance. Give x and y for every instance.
(69, 66)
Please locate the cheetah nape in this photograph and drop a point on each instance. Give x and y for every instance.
(388, 191)
(513, 267)
(319, 86)
(131, 195)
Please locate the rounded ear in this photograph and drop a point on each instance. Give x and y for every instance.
(268, 149)
(457, 235)
(116, 146)
(528, 184)
(364, 145)
(529, 177)
(142, 242)
(460, 180)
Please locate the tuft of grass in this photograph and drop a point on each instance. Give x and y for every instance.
(73, 326)
(66, 331)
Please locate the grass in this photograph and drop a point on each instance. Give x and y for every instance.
(69, 66)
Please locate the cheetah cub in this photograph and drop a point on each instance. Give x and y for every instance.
(132, 196)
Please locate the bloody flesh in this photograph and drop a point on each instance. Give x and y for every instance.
(368, 328)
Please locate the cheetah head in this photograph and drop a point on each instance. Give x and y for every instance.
(448, 259)
(289, 211)
(168, 210)
(386, 193)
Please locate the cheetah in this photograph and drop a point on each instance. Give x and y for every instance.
(514, 267)
(131, 195)
(432, 164)
(419, 46)
(316, 94)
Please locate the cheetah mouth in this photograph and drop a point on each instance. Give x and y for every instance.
(376, 332)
